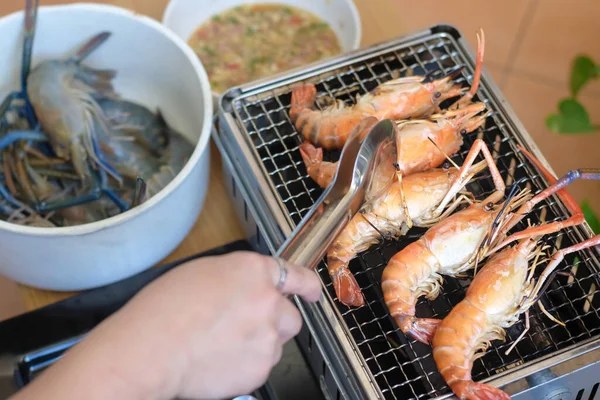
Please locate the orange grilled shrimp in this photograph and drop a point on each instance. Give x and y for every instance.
(421, 144)
(322, 172)
(397, 99)
(497, 296)
(424, 198)
(456, 244)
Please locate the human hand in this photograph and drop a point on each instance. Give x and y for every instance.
(247, 321)
(211, 328)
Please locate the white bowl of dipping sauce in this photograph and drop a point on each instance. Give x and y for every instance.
(241, 41)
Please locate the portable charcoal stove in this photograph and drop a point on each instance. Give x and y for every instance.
(360, 353)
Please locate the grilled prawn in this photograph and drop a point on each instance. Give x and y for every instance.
(456, 244)
(421, 144)
(425, 198)
(398, 99)
(497, 296)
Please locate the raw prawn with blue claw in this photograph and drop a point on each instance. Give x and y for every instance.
(71, 150)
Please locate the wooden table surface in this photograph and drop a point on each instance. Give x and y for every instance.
(217, 223)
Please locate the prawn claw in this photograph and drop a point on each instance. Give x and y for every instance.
(139, 194)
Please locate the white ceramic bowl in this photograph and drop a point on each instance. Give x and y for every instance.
(184, 16)
(156, 68)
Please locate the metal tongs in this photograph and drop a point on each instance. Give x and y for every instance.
(364, 170)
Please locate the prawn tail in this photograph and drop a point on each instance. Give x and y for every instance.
(303, 98)
(346, 288)
(470, 390)
(322, 172)
(421, 329)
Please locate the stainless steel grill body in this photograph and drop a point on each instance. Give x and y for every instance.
(360, 352)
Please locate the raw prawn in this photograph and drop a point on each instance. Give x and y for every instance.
(140, 144)
(397, 99)
(145, 127)
(497, 296)
(62, 95)
(53, 131)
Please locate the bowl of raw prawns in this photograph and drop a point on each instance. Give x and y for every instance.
(105, 120)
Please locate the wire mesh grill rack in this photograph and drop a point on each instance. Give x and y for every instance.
(400, 367)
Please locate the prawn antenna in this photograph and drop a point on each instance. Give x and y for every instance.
(511, 195)
(444, 153)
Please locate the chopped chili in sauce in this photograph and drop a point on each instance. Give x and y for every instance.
(253, 41)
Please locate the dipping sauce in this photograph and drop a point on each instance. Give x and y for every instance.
(253, 41)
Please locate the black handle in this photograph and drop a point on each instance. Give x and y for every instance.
(32, 341)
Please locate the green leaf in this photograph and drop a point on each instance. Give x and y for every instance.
(582, 70)
(590, 217)
(571, 118)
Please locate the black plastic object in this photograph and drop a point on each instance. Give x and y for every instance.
(31, 342)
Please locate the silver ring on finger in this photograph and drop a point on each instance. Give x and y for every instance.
(282, 274)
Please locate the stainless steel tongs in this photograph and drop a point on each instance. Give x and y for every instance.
(364, 170)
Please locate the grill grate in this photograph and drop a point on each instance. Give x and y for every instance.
(401, 367)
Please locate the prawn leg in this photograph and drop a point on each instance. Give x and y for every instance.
(464, 176)
(139, 194)
(99, 186)
(7, 140)
(577, 218)
(547, 273)
(23, 178)
(522, 335)
(16, 136)
(408, 221)
(104, 187)
(9, 197)
(462, 199)
(6, 165)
